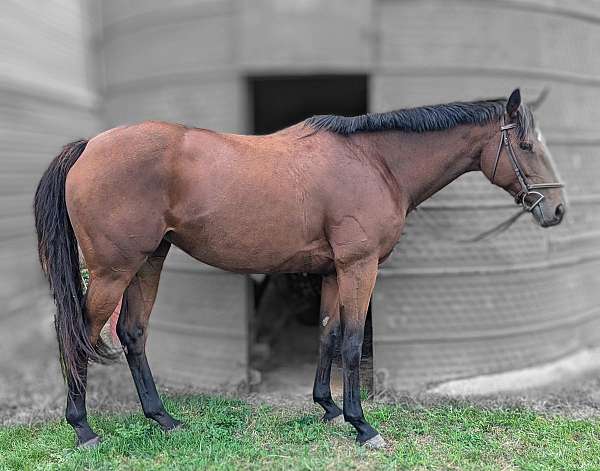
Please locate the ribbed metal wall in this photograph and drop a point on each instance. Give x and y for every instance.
(47, 99)
(444, 309)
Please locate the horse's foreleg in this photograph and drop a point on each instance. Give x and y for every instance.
(356, 282)
(329, 338)
(132, 331)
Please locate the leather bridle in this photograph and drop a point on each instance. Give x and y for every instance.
(527, 189)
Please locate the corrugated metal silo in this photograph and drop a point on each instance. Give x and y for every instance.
(444, 309)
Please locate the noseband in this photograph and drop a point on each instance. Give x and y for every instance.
(527, 189)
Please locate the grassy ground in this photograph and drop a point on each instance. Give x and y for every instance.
(231, 434)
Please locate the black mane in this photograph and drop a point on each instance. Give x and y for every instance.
(423, 118)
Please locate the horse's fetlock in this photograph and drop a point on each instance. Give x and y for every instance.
(353, 418)
(155, 413)
(321, 395)
(75, 417)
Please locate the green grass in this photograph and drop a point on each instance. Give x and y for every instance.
(230, 434)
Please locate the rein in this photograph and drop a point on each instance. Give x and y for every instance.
(527, 189)
(494, 231)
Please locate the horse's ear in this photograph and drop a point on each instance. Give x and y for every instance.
(513, 103)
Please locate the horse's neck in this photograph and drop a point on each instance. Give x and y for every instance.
(424, 163)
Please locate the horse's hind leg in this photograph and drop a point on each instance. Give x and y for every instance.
(132, 329)
(102, 297)
(76, 413)
(329, 338)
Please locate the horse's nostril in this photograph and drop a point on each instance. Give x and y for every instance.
(560, 211)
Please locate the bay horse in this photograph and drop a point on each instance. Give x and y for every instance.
(327, 196)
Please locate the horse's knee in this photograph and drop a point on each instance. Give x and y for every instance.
(351, 352)
(329, 340)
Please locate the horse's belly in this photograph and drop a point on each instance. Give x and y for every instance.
(257, 253)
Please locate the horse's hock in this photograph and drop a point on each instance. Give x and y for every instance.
(441, 309)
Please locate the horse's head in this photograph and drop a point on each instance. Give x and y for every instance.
(517, 160)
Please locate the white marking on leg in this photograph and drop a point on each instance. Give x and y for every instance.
(338, 420)
(325, 320)
(375, 443)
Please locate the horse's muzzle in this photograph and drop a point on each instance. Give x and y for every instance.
(545, 220)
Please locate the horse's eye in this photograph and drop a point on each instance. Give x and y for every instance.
(526, 146)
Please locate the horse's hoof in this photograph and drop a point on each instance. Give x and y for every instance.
(375, 443)
(174, 427)
(337, 420)
(91, 443)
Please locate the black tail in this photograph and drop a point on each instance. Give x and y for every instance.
(59, 256)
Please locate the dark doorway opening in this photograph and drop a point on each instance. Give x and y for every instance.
(284, 328)
(278, 102)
